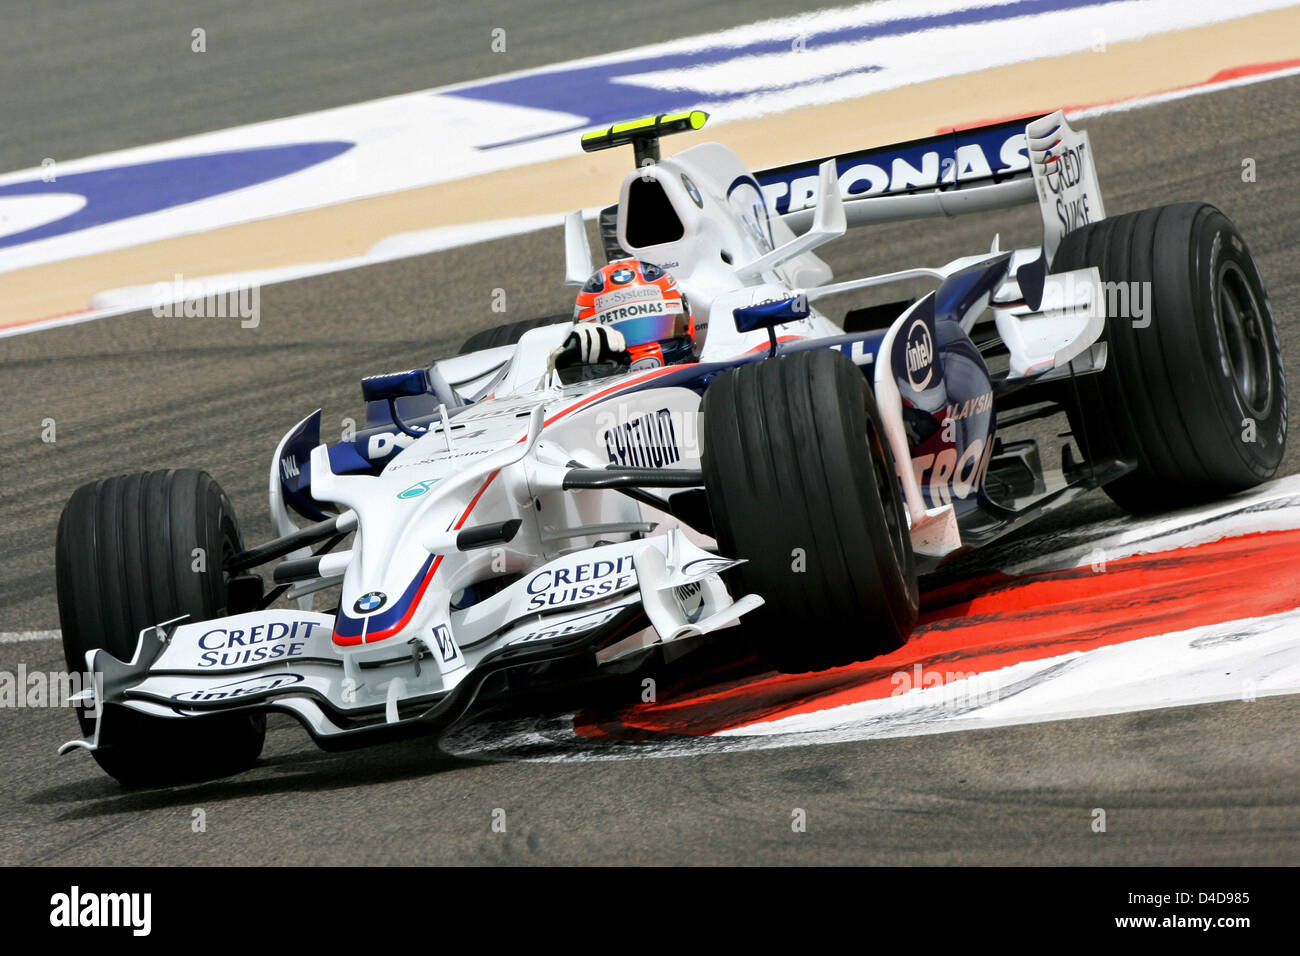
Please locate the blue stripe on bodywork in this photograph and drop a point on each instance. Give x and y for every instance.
(347, 626)
(964, 289)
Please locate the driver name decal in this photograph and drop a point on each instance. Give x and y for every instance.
(646, 442)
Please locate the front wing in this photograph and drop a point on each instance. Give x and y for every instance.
(644, 592)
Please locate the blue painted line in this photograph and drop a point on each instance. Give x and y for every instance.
(693, 100)
(125, 191)
(604, 93)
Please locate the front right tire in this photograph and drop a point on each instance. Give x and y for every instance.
(1194, 390)
(134, 551)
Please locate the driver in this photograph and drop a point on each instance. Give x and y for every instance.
(629, 314)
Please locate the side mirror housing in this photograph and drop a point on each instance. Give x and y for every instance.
(769, 314)
(377, 388)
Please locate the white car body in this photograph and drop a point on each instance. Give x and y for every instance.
(590, 570)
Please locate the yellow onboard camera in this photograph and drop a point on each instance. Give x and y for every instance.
(643, 134)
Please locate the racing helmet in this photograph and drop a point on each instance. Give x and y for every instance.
(641, 301)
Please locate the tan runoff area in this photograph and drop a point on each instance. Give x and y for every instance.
(1124, 70)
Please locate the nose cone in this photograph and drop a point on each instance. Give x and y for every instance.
(379, 615)
(371, 602)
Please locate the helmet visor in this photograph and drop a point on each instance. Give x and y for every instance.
(644, 329)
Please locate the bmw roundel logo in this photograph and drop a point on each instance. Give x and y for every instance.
(693, 191)
(370, 602)
(622, 275)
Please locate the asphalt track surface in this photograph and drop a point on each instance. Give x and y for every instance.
(1210, 784)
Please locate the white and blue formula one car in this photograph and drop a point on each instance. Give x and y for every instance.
(493, 519)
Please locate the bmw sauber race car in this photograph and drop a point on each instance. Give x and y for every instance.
(790, 475)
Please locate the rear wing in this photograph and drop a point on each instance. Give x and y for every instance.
(918, 172)
(965, 170)
(979, 168)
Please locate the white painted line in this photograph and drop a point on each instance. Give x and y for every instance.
(1235, 661)
(27, 637)
(1273, 506)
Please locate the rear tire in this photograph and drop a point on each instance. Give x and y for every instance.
(508, 334)
(1197, 397)
(801, 482)
(124, 559)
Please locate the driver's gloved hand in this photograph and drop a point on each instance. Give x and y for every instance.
(592, 344)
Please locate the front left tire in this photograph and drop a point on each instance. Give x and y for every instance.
(802, 484)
